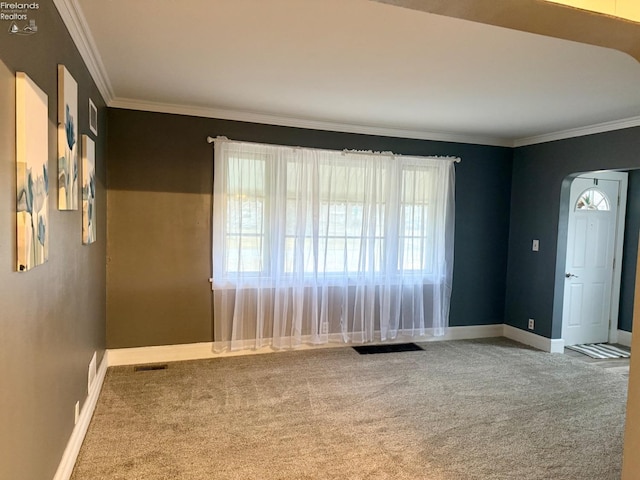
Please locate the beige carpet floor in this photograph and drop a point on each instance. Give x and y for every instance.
(482, 409)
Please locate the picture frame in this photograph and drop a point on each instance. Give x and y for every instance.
(68, 140)
(93, 118)
(32, 164)
(88, 190)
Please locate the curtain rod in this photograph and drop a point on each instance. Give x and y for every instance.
(358, 152)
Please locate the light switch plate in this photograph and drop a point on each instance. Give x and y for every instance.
(536, 245)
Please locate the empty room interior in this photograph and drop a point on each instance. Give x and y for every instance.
(234, 193)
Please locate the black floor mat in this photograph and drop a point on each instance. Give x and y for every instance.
(391, 348)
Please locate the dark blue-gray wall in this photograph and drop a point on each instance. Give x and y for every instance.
(630, 252)
(159, 179)
(540, 185)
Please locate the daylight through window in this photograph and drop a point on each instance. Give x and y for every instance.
(593, 199)
(297, 231)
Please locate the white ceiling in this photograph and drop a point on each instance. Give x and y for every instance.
(354, 65)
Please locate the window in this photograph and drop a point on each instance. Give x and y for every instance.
(337, 217)
(245, 229)
(593, 199)
(334, 235)
(288, 219)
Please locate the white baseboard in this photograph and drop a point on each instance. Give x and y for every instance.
(160, 353)
(624, 338)
(470, 332)
(199, 351)
(68, 461)
(551, 345)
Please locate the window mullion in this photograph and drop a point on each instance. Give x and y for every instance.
(392, 218)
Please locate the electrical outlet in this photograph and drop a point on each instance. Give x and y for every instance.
(531, 324)
(324, 328)
(77, 412)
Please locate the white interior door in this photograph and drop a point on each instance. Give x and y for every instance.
(593, 208)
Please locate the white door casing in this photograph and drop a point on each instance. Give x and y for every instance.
(591, 246)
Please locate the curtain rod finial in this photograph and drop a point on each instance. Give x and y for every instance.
(210, 139)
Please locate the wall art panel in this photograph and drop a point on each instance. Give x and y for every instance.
(32, 173)
(88, 190)
(67, 140)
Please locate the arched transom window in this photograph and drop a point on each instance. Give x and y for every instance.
(593, 199)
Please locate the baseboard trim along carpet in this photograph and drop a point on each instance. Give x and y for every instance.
(68, 461)
(600, 351)
(624, 338)
(199, 351)
(550, 345)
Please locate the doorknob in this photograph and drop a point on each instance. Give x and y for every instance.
(570, 275)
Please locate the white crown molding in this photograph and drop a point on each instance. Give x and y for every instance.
(282, 120)
(80, 32)
(270, 119)
(579, 132)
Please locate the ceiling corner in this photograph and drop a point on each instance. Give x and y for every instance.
(76, 23)
(579, 132)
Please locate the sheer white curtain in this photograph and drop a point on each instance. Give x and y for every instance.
(311, 246)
